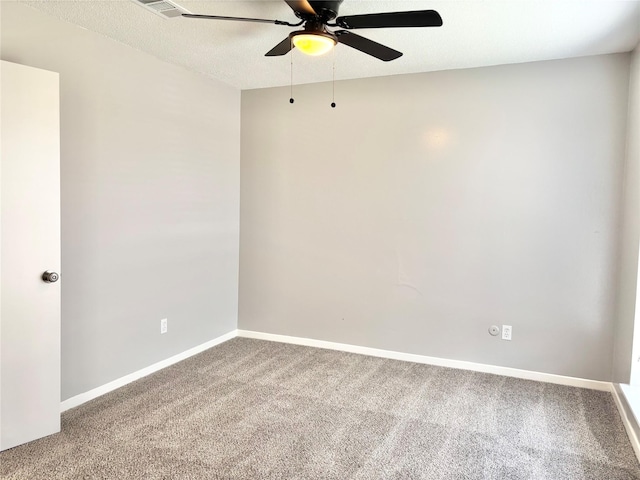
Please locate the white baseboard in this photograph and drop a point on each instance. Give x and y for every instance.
(625, 412)
(96, 392)
(443, 362)
(374, 352)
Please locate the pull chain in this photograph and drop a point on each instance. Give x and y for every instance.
(291, 81)
(333, 81)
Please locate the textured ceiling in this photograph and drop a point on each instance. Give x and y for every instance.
(475, 33)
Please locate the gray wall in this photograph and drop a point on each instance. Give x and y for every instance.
(150, 184)
(629, 235)
(425, 208)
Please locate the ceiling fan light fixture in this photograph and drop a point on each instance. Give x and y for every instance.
(313, 43)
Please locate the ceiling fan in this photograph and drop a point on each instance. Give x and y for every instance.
(316, 38)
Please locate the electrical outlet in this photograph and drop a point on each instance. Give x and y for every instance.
(506, 332)
(163, 325)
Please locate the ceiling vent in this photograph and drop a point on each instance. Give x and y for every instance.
(163, 8)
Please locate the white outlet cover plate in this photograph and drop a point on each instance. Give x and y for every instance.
(506, 332)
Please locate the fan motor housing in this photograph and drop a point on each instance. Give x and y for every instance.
(325, 10)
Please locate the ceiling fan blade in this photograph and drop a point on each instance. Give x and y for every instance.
(241, 19)
(416, 18)
(301, 6)
(282, 48)
(367, 46)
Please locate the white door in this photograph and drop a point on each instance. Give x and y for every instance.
(29, 246)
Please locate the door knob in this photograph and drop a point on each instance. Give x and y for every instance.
(50, 277)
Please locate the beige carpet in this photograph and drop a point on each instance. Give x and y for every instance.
(250, 409)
